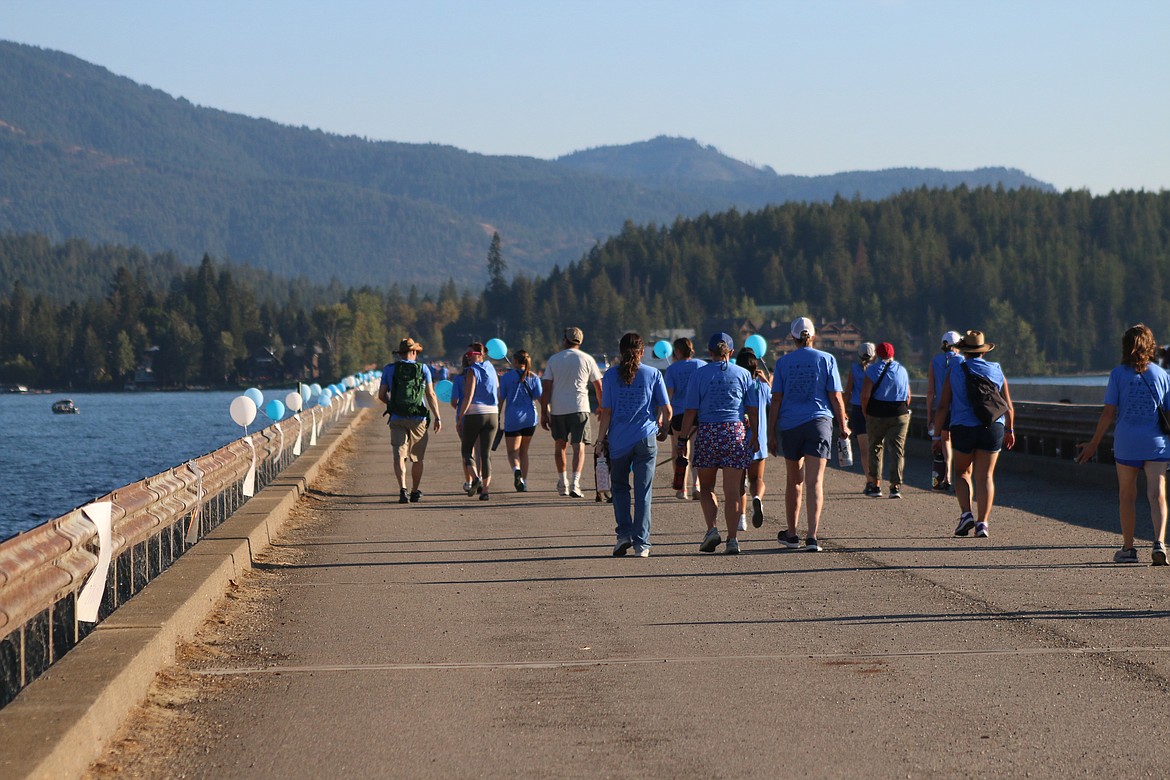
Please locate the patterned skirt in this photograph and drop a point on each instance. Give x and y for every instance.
(721, 445)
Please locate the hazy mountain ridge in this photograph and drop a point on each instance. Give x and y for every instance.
(93, 155)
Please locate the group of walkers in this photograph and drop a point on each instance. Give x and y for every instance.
(728, 414)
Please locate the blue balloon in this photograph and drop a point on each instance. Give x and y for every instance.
(275, 410)
(662, 349)
(496, 349)
(256, 396)
(443, 390)
(324, 400)
(326, 393)
(757, 344)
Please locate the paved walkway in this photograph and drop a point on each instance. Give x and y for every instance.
(459, 638)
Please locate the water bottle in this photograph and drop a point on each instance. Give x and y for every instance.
(939, 476)
(601, 474)
(844, 453)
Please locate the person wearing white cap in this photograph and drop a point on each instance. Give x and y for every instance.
(940, 367)
(806, 396)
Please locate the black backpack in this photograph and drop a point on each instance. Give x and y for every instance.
(407, 388)
(984, 397)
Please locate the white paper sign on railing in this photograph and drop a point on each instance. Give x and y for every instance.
(90, 598)
(313, 434)
(193, 526)
(300, 430)
(281, 450)
(249, 489)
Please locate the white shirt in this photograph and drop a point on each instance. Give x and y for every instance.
(571, 371)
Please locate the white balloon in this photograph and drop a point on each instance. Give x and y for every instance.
(293, 401)
(243, 410)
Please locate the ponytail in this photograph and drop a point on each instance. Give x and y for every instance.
(631, 347)
(522, 360)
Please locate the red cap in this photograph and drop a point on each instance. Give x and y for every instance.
(885, 350)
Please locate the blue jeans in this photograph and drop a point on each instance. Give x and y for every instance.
(640, 461)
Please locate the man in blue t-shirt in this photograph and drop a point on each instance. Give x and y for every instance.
(806, 396)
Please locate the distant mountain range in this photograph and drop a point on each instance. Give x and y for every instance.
(88, 154)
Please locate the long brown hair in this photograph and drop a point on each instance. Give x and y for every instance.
(684, 347)
(1138, 347)
(631, 347)
(747, 360)
(521, 359)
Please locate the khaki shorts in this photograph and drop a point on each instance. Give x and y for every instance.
(409, 439)
(573, 427)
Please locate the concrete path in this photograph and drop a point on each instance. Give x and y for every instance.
(459, 638)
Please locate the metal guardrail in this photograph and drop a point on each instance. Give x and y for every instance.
(1049, 429)
(155, 521)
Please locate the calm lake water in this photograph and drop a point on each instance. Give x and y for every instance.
(52, 463)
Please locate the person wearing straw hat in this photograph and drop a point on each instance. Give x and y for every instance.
(409, 395)
(976, 444)
(940, 368)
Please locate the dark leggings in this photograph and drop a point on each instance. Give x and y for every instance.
(482, 427)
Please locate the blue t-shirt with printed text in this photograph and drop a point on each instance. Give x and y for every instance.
(518, 396)
(388, 382)
(1136, 435)
(633, 407)
(719, 391)
(678, 376)
(806, 377)
(961, 412)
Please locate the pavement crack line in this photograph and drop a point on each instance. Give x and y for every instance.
(585, 662)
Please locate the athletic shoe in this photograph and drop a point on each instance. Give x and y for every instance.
(518, 481)
(757, 511)
(562, 488)
(1158, 556)
(743, 522)
(695, 495)
(943, 486)
(812, 545)
(402, 497)
(415, 496)
(1125, 555)
(681, 495)
(575, 492)
(620, 548)
(732, 547)
(869, 488)
(981, 531)
(474, 486)
(966, 523)
(873, 491)
(467, 488)
(522, 487)
(788, 539)
(642, 552)
(895, 492)
(484, 496)
(711, 540)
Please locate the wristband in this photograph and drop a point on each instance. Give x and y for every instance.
(936, 438)
(1010, 430)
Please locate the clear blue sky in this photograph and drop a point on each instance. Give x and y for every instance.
(1075, 93)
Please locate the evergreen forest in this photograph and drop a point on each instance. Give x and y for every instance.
(1054, 279)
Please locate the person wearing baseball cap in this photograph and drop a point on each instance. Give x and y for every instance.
(806, 397)
(409, 394)
(866, 354)
(564, 407)
(944, 360)
(719, 395)
(885, 396)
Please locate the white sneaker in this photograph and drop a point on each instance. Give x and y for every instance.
(575, 491)
(642, 552)
(562, 488)
(743, 522)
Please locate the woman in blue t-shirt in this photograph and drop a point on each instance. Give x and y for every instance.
(634, 412)
(1138, 391)
(762, 390)
(866, 354)
(716, 397)
(677, 376)
(479, 415)
(519, 394)
(976, 446)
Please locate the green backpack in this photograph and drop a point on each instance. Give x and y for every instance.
(407, 389)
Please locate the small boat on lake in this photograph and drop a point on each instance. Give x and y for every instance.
(65, 406)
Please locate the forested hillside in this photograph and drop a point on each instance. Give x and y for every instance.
(1053, 279)
(91, 155)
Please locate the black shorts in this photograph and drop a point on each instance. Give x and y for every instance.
(813, 438)
(521, 432)
(570, 427)
(676, 422)
(857, 420)
(966, 438)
